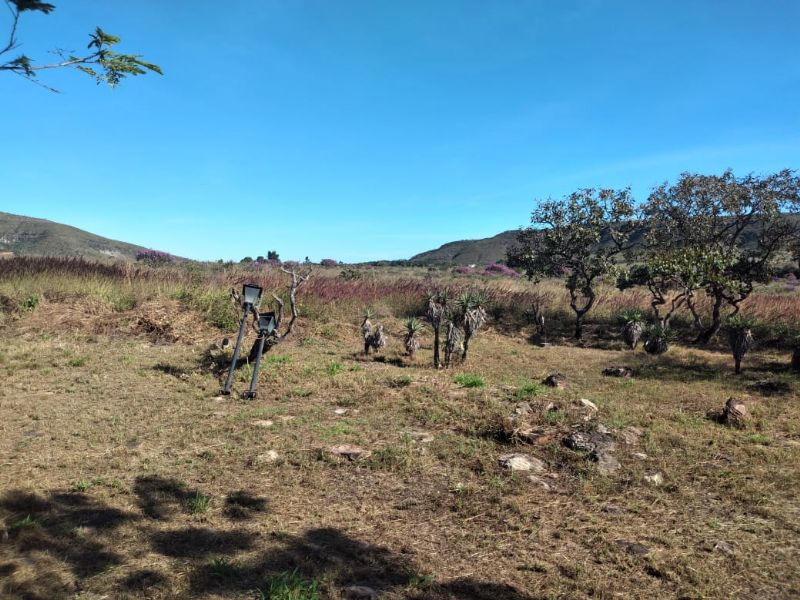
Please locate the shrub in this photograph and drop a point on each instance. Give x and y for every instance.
(469, 380)
(499, 269)
(328, 262)
(154, 257)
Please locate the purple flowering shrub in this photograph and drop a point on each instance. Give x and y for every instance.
(499, 269)
(328, 262)
(463, 270)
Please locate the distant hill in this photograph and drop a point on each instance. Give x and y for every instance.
(27, 236)
(493, 249)
(468, 252)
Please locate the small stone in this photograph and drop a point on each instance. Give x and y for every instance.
(421, 437)
(583, 441)
(632, 547)
(655, 479)
(735, 413)
(600, 428)
(640, 455)
(724, 547)
(270, 456)
(522, 462)
(539, 481)
(286, 418)
(624, 372)
(587, 404)
(539, 437)
(263, 423)
(556, 380)
(611, 508)
(631, 435)
(523, 408)
(606, 464)
(359, 592)
(340, 411)
(349, 451)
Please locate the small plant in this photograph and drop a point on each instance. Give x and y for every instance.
(78, 361)
(289, 586)
(555, 417)
(199, 503)
(740, 338)
(27, 523)
(334, 369)
(223, 568)
(469, 380)
(656, 339)
(761, 439)
(632, 327)
(83, 485)
(530, 389)
(30, 303)
(413, 328)
(278, 359)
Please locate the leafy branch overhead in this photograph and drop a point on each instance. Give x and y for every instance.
(102, 63)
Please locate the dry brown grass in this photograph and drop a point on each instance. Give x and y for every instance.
(125, 475)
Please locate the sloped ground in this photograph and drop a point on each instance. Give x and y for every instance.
(125, 475)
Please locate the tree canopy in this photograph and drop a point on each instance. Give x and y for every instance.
(101, 63)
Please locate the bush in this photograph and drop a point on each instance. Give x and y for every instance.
(328, 262)
(154, 257)
(499, 269)
(469, 380)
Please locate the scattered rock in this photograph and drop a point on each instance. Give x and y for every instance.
(359, 592)
(539, 437)
(340, 411)
(263, 423)
(625, 372)
(632, 547)
(556, 380)
(655, 479)
(640, 455)
(606, 464)
(724, 547)
(268, 457)
(611, 508)
(589, 441)
(631, 435)
(587, 404)
(523, 408)
(349, 451)
(735, 413)
(522, 462)
(421, 437)
(286, 418)
(539, 481)
(600, 428)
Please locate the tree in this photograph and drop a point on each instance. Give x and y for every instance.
(582, 235)
(724, 233)
(272, 255)
(101, 63)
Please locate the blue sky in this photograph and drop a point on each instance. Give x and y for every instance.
(375, 129)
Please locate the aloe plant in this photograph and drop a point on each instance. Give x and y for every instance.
(413, 328)
(656, 339)
(740, 338)
(632, 327)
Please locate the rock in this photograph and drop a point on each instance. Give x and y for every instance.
(632, 547)
(340, 411)
(611, 508)
(606, 464)
(349, 452)
(523, 408)
(539, 437)
(724, 547)
(539, 481)
(556, 380)
(625, 372)
(263, 423)
(583, 402)
(631, 435)
(589, 441)
(655, 479)
(359, 592)
(421, 437)
(640, 455)
(600, 428)
(268, 457)
(522, 462)
(735, 413)
(286, 418)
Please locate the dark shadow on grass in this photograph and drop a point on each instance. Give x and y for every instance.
(242, 505)
(159, 497)
(195, 542)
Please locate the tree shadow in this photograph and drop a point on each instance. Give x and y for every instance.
(58, 542)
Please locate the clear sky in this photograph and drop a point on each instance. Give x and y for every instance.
(361, 130)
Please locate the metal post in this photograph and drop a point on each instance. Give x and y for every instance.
(251, 393)
(227, 389)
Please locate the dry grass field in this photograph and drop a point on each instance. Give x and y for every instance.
(124, 473)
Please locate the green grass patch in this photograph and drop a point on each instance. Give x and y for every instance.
(334, 369)
(289, 586)
(199, 503)
(469, 380)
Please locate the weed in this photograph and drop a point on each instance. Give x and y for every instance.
(78, 361)
(27, 523)
(224, 568)
(289, 586)
(760, 438)
(530, 389)
(555, 417)
(469, 380)
(199, 503)
(30, 303)
(278, 359)
(84, 485)
(399, 382)
(334, 369)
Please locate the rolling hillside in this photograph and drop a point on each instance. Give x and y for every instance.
(27, 236)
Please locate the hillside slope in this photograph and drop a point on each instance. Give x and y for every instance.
(27, 236)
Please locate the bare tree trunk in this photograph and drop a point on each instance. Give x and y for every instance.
(716, 322)
(436, 359)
